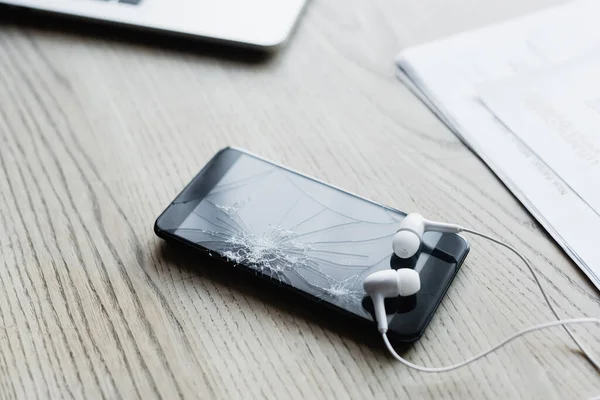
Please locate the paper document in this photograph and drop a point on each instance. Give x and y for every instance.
(556, 113)
(451, 75)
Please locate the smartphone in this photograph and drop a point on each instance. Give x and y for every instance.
(309, 237)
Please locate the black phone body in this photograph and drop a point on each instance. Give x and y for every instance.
(308, 237)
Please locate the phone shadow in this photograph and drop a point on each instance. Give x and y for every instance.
(276, 297)
(98, 32)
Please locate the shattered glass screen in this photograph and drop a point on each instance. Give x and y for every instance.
(311, 236)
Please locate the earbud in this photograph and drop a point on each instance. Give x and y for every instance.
(407, 241)
(406, 282)
(403, 282)
(390, 283)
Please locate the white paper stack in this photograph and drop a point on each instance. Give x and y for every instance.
(516, 94)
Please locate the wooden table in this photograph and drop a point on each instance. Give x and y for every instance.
(100, 129)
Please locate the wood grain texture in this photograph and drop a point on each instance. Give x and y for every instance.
(99, 131)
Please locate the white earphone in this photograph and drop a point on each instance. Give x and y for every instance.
(406, 282)
(407, 241)
(390, 283)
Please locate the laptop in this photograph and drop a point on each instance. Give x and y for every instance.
(264, 24)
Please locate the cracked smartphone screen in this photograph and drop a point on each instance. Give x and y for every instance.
(301, 232)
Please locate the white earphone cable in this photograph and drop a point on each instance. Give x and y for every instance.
(537, 281)
(491, 350)
(563, 323)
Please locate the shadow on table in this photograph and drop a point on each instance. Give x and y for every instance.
(276, 297)
(102, 31)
